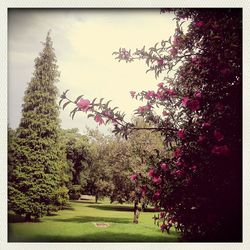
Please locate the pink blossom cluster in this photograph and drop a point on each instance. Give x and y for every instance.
(221, 150)
(143, 109)
(164, 166)
(199, 24)
(192, 104)
(132, 93)
(124, 54)
(98, 119)
(178, 152)
(181, 133)
(83, 104)
(133, 177)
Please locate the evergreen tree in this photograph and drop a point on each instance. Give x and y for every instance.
(36, 184)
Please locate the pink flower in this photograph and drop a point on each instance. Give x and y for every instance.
(164, 166)
(220, 150)
(173, 51)
(160, 62)
(132, 93)
(218, 135)
(195, 60)
(148, 107)
(83, 104)
(193, 105)
(151, 172)
(99, 119)
(157, 193)
(141, 109)
(178, 163)
(133, 177)
(170, 92)
(125, 54)
(179, 172)
(206, 125)
(181, 133)
(165, 113)
(160, 85)
(157, 180)
(184, 101)
(177, 153)
(175, 40)
(150, 94)
(160, 94)
(202, 138)
(199, 24)
(193, 168)
(197, 94)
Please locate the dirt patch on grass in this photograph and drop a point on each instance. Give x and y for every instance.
(101, 224)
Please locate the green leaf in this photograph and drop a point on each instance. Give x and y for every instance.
(63, 96)
(101, 101)
(73, 114)
(60, 101)
(65, 104)
(93, 102)
(107, 104)
(78, 98)
(73, 111)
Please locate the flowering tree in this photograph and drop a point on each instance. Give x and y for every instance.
(197, 185)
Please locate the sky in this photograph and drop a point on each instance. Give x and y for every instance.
(84, 40)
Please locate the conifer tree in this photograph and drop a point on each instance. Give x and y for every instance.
(36, 184)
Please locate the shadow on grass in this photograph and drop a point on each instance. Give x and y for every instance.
(68, 208)
(102, 236)
(119, 208)
(86, 219)
(112, 207)
(52, 214)
(14, 218)
(84, 202)
(85, 199)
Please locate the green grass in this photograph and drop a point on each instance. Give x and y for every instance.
(77, 225)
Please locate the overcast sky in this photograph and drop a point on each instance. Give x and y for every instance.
(84, 40)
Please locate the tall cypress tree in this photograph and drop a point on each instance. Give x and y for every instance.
(36, 184)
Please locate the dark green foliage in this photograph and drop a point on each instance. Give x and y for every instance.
(36, 181)
(99, 181)
(77, 152)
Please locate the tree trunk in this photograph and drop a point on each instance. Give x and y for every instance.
(28, 217)
(136, 213)
(96, 198)
(143, 207)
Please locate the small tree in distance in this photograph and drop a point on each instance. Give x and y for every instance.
(77, 154)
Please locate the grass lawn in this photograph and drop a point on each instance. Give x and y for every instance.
(77, 224)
